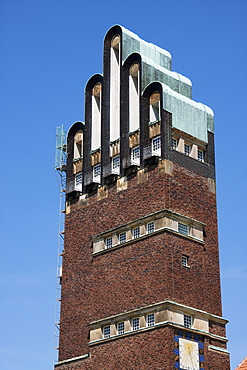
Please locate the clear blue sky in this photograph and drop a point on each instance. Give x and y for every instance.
(49, 49)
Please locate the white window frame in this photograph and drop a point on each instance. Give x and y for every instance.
(120, 331)
(185, 260)
(150, 227)
(122, 237)
(187, 149)
(188, 321)
(96, 173)
(116, 164)
(156, 146)
(136, 232)
(150, 319)
(108, 243)
(78, 181)
(135, 323)
(200, 155)
(183, 228)
(135, 156)
(106, 331)
(174, 143)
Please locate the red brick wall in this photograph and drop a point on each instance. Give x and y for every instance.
(144, 272)
(149, 350)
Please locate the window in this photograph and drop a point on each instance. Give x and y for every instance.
(187, 321)
(200, 155)
(106, 332)
(78, 179)
(183, 229)
(185, 261)
(96, 173)
(150, 227)
(156, 146)
(116, 164)
(108, 242)
(120, 328)
(174, 143)
(150, 319)
(136, 232)
(135, 155)
(136, 323)
(187, 149)
(122, 237)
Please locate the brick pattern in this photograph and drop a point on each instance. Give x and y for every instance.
(140, 352)
(130, 277)
(145, 271)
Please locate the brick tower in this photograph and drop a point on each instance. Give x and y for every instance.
(140, 279)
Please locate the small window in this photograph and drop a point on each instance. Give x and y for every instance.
(187, 321)
(78, 179)
(150, 227)
(183, 229)
(106, 332)
(96, 173)
(122, 237)
(156, 146)
(187, 149)
(174, 143)
(136, 323)
(120, 328)
(135, 155)
(185, 260)
(116, 164)
(136, 232)
(108, 242)
(200, 155)
(150, 319)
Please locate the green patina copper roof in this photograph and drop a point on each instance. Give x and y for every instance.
(134, 44)
(187, 115)
(156, 63)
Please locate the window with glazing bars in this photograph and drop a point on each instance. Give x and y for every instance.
(200, 155)
(187, 149)
(106, 332)
(116, 163)
(120, 328)
(136, 232)
(135, 154)
(183, 229)
(187, 321)
(174, 143)
(78, 179)
(136, 323)
(108, 242)
(150, 227)
(156, 144)
(96, 172)
(185, 261)
(122, 237)
(150, 319)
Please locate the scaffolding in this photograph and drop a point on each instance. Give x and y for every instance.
(60, 166)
